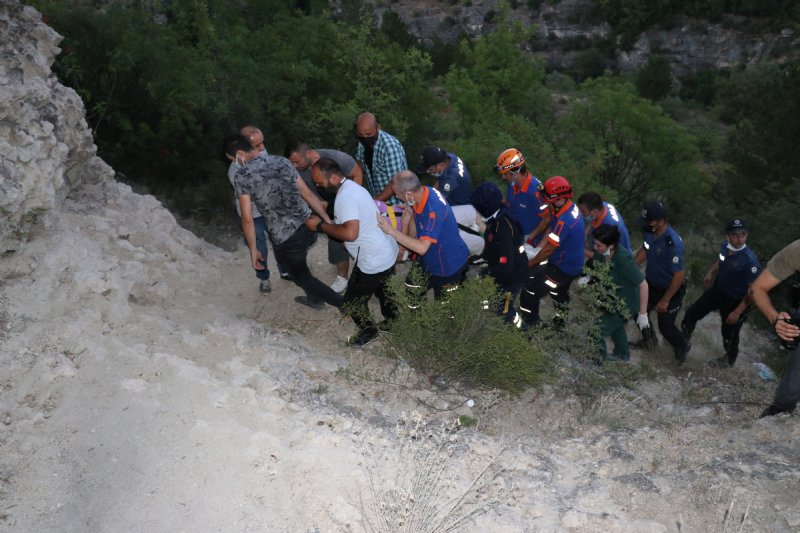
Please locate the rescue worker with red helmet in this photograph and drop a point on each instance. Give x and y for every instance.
(560, 259)
(522, 195)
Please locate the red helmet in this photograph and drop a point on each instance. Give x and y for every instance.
(555, 188)
(509, 159)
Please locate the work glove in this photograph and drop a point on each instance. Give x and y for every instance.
(643, 322)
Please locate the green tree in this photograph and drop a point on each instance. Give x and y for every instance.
(627, 145)
(654, 79)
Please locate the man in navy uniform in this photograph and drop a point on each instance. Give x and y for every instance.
(737, 267)
(666, 281)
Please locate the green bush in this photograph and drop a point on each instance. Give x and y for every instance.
(456, 339)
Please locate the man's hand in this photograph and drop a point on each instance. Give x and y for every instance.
(257, 260)
(643, 321)
(708, 280)
(784, 329)
(384, 224)
(313, 222)
(733, 317)
(662, 306)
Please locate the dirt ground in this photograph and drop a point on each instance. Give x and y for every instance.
(146, 385)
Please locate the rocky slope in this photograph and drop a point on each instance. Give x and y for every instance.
(146, 385)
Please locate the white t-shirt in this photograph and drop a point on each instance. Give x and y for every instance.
(373, 250)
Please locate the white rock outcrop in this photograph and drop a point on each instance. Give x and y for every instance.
(46, 147)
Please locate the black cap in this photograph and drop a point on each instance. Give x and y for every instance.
(487, 199)
(431, 155)
(735, 224)
(653, 210)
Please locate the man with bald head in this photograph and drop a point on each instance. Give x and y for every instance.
(380, 155)
(435, 239)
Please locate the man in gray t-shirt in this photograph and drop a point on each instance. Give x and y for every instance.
(273, 186)
(782, 265)
(303, 157)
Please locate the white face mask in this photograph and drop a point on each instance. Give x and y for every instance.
(607, 253)
(410, 200)
(732, 248)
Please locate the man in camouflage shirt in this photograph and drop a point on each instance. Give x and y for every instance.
(271, 184)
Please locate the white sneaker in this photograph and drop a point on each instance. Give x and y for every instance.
(339, 284)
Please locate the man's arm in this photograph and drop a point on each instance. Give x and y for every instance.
(347, 231)
(545, 252)
(641, 256)
(674, 285)
(386, 194)
(545, 222)
(418, 246)
(759, 294)
(708, 280)
(311, 199)
(249, 230)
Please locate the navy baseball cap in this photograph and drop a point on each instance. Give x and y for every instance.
(431, 155)
(735, 224)
(653, 210)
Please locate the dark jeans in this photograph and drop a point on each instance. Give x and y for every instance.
(666, 321)
(292, 255)
(543, 280)
(713, 300)
(360, 287)
(439, 284)
(788, 392)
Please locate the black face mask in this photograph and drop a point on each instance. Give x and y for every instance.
(368, 142)
(330, 189)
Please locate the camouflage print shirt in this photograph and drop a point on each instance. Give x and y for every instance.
(270, 181)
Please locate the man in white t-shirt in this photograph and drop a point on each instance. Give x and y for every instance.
(356, 224)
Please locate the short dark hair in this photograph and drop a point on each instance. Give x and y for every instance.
(236, 143)
(591, 200)
(328, 167)
(301, 147)
(608, 234)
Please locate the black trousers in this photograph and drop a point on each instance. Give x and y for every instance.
(543, 280)
(788, 392)
(292, 254)
(666, 321)
(713, 300)
(360, 287)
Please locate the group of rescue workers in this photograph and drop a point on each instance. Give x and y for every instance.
(535, 241)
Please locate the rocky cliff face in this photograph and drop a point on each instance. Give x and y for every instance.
(563, 29)
(46, 147)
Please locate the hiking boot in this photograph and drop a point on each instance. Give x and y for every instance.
(313, 303)
(264, 286)
(680, 354)
(722, 362)
(773, 410)
(362, 338)
(339, 284)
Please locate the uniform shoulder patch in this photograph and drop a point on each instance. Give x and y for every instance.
(676, 259)
(447, 186)
(754, 269)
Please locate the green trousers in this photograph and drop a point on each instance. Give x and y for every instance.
(614, 326)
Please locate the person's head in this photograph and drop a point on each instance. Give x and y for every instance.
(654, 217)
(239, 149)
(590, 204)
(736, 229)
(326, 174)
(406, 187)
(605, 239)
(255, 136)
(487, 199)
(367, 128)
(556, 192)
(511, 166)
(301, 155)
(433, 161)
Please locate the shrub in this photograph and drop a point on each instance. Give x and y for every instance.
(457, 339)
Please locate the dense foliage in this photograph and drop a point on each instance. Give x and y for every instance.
(165, 81)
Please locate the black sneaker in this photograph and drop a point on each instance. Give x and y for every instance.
(680, 354)
(773, 410)
(285, 276)
(362, 338)
(313, 303)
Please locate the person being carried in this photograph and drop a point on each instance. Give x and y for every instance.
(560, 259)
(599, 212)
(431, 232)
(631, 291)
(785, 325)
(736, 268)
(302, 157)
(272, 184)
(506, 261)
(355, 224)
(663, 251)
